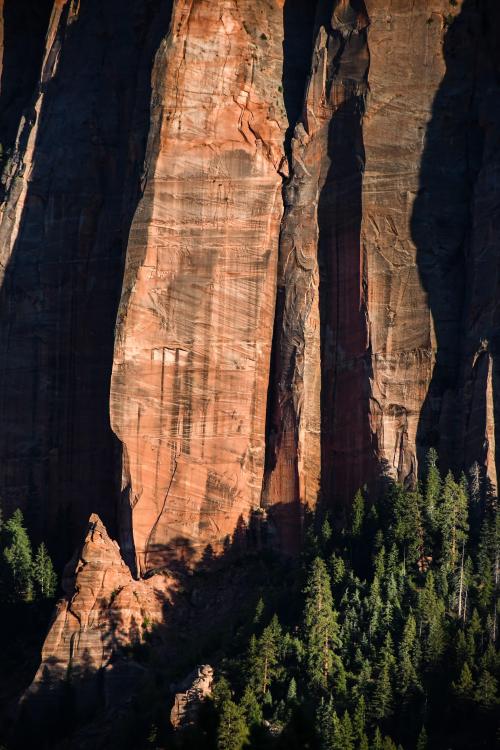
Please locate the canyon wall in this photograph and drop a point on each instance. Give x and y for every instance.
(298, 204)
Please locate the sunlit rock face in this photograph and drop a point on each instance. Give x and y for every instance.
(195, 325)
(297, 204)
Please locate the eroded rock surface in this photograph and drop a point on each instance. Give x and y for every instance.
(104, 610)
(76, 131)
(373, 274)
(195, 324)
(187, 703)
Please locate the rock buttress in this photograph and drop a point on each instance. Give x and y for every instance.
(194, 331)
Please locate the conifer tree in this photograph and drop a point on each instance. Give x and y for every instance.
(407, 675)
(377, 740)
(233, 732)
(321, 629)
(465, 686)
(263, 657)
(453, 520)
(17, 560)
(432, 492)
(359, 720)
(486, 694)
(347, 732)
(251, 708)
(357, 515)
(44, 577)
(381, 704)
(291, 695)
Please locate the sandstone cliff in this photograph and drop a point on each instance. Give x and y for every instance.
(297, 314)
(297, 203)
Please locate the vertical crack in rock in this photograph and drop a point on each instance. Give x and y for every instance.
(319, 425)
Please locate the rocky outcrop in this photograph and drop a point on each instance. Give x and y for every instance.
(194, 691)
(103, 611)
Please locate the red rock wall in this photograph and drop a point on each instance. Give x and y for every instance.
(195, 325)
(371, 273)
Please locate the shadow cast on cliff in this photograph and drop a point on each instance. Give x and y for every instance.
(59, 458)
(24, 27)
(453, 418)
(348, 458)
(207, 608)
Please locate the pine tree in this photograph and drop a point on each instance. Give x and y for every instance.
(347, 732)
(431, 621)
(233, 732)
(359, 720)
(44, 577)
(377, 740)
(263, 657)
(465, 686)
(485, 579)
(337, 569)
(408, 528)
(326, 534)
(357, 515)
(291, 695)
(320, 626)
(251, 708)
(381, 704)
(453, 520)
(407, 675)
(432, 492)
(486, 694)
(17, 560)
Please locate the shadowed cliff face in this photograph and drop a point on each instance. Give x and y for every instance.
(72, 188)
(24, 27)
(455, 226)
(319, 420)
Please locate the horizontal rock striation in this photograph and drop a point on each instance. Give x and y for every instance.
(195, 325)
(298, 314)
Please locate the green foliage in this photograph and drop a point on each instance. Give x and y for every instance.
(17, 558)
(44, 577)
(233, 732)
(399, 623)
(21, 578)
(320, 626)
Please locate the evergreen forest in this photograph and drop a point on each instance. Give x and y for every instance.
(385, 638)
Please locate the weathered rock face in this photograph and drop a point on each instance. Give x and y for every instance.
(195, 324)
(376, 247)
(104, 609)
(296, 314)
(71, 187)
(187, 703)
